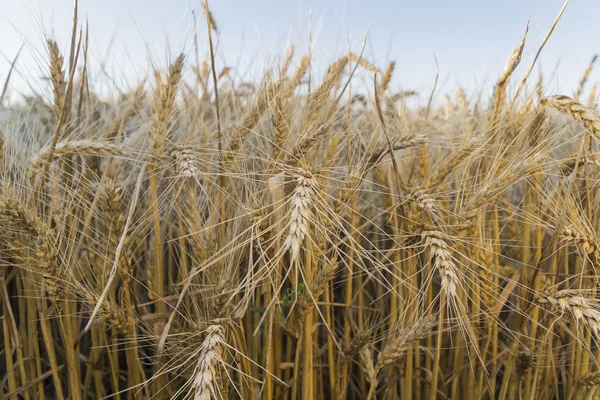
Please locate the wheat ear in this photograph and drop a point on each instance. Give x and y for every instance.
(211, 355)
(590, 379)
(57, 77)
(301, 214)
(582, 114)
(586, 75)
(186, 161)
(23, 226)
(70, 147)
(582, 309)
(443, 261)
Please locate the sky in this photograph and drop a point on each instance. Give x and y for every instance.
(471, 39)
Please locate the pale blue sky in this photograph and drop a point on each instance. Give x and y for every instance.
(471, 39)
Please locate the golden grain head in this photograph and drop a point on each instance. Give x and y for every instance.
(313, 233)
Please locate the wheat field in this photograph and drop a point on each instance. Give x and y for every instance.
(200, 237)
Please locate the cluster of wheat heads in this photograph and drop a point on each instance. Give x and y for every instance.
(204, 238)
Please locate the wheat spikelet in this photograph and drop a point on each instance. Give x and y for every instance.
(186, 161)
(300, 71)
(586, 75)
(443, 261)
(590, 379)
(582, 114)
(513, 62)
(280, 122)
(364, 63)
(374, 159)
(207, 370)
(366, 359)
(485, 261)
(592, 97)
(404, 94)
(110, 205)
(358, 340)
(323, 276)
(424, 201)
(585, 244)
(288, 59)
(163, 103)
(402, 338)
(387, 76)
(525, 360)
(301, 214)
(58, 79)
(511, 65)
(22, 226)
(252, 118)
(110, 312)
(448, 166)
(209, 16)
(461, 99)
(322, 92)
(114, 129)
(583, 309)
(70, 147)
